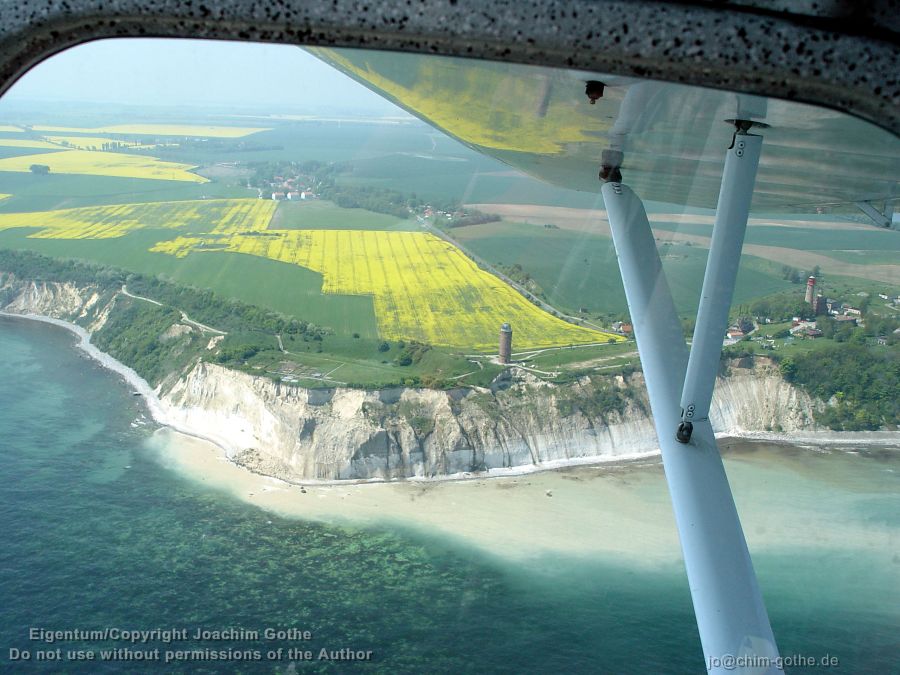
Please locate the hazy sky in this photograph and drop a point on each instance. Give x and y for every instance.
(145, 71)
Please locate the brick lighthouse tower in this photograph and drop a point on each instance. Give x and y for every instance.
(811, 291)
(505, 342)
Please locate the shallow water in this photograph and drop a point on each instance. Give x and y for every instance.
(99, 532)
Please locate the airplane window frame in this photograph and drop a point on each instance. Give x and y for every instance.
(751, 46)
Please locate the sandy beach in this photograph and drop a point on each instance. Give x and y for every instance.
(788, 498)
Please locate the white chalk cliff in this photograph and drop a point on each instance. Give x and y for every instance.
(343, 433)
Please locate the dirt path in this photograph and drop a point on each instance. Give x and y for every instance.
(184, 317)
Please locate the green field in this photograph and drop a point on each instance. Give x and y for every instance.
(464, 175)
(806, 238)
(18, 152)
(359, 362)
(578, 270)
(63, 191)
(578, 357)
(865, 257)
(324, 215)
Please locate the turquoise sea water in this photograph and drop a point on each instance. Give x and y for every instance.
(97, 534)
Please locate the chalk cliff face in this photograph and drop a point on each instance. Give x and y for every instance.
(343, 433)
(84, 304)
(340, 433)
(754, 397)
(350, 433)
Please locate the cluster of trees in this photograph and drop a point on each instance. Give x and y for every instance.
(473, 217)
(518, 274)
(111, 146)
(379, 200)
(861, 382)
(796, 276)
(37, 267)
(745, 323)
(324, 176)
(265, 172)
(411, 353)
(237, 353)
(39, 169)
(782, 307)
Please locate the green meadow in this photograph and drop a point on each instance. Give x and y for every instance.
(324, 215)
(807, 238)
(63, 191)
(579, 271)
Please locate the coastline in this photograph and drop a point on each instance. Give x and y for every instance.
(224, 450)
(149, 395)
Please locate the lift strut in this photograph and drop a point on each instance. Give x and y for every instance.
(734, 627)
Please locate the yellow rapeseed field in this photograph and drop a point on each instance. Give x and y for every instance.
(8, 128)
(108, 222)
(423, 288)
(104, 164)
(160, 130)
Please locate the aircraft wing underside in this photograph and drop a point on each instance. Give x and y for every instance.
(539, 120)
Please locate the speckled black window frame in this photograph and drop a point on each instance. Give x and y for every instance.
(841, 54)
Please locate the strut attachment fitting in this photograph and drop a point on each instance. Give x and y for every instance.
(611, 166)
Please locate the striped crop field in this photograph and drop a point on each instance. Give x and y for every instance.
(193, 130)
(103, 164)
(107, 222)
(422, 288)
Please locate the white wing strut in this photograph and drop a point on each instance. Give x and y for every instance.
(731, 617)
(741, 162)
